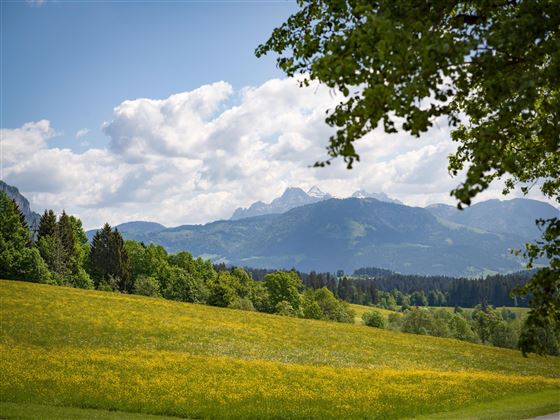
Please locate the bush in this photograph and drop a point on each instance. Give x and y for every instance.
(312, 310)
(184, 287)
(332, 308)
(244, 304)
(374, 319)
(80, 279)
(146, 286)
(284, 308)
(395, 321)
(504, 335)
(108, 285)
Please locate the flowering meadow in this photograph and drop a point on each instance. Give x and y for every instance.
(90, 349)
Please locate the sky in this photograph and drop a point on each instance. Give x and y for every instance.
(160, 111)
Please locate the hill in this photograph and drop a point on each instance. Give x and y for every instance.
(74, 348)
(515, 216)
(346, 234)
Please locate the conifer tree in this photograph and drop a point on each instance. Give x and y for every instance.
(99, 255)
(120, 263)
(66, 234)
(19, 260)
(109, 260)
(47, 224)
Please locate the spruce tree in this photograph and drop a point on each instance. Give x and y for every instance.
(47, 224)
(19, 259)
(109, 259)
(67, 239)
(21, 215)
(120, 263)
(99, 258)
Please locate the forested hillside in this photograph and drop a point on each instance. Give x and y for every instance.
(334, 235)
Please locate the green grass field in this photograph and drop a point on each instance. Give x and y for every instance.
(361, 309)
(66, 351)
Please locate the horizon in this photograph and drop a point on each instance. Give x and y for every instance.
(306, 191)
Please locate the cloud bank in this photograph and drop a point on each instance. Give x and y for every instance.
(196, 156)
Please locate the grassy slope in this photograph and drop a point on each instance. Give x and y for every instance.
(88, 349)
(361, 309)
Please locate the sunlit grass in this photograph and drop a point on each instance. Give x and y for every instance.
(362, 309)
(88, 349)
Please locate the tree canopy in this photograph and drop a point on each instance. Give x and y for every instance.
(491, 67)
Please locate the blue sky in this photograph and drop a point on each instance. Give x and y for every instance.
(72, 62)
(123, 110)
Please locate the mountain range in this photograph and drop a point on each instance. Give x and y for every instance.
(296, 197)
(515, 216)
(344, 234)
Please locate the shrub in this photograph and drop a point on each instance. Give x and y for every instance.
(374, 319)
(80, 279)
(395, 321)
(284, 308)
(244, 304)
(312, 310)
(146, 286)
(184, 287)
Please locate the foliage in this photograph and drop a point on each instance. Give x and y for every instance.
(389, 290)
(146, 286)
(244, 304)
(19, 260)
(283, 286)
(460, 328)
(224, 290)
(284, 308)
(63, 245)
(185, 287)
(485, 319)
(544, 288)
(311, 309)
(108, 258)
(374, 319)
(47, 224)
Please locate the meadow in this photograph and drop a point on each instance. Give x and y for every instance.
(71, 348)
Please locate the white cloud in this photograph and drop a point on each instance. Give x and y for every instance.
(196, 156)
(20, 143)
(82, 133)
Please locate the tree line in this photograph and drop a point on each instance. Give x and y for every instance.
(384, 288)
(60, 254)
(484, 324)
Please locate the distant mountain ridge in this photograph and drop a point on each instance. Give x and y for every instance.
(295, 197)
(31, 218)
(378, 196)
(347, 234)
(516, 216)
(291, 198)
